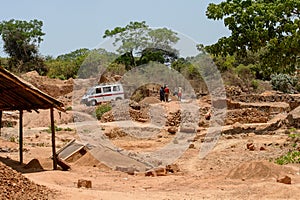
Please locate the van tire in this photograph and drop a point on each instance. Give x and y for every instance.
(118, 98)
(93, 103)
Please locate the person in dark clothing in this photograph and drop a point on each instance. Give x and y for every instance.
(162, 94)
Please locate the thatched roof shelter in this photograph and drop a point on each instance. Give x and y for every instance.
(17, 94)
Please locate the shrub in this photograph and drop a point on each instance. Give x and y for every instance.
(69, 108)
(254, 84)
(246, 74)
(101, 109)
(56, 128)
(290, 157)
(284, 83)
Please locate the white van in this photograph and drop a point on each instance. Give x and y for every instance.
(103, 93)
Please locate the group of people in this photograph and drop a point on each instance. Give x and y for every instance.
(165, 91)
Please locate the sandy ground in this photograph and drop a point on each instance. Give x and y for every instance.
(229, 171)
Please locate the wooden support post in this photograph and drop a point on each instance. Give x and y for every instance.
(21, 136)
(54, 156)
(0, 121)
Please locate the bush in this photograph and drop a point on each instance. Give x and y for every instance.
(254, 84)
(101, 109)
(246, 74)
(290, 157)
(284, 83)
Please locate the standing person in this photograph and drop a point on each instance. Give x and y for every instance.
(179, 93)
(162, 93)
(167, 91)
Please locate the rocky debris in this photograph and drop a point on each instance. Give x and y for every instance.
(293, 118)
(172, 168)
(8, 123)
(174, 118)
(150, 100)
(262, 148)
(53, 87)
(135, 105)
(187, 129)
(233, 91)
(158, 171)
(126, 110)
(172, 130)
(292, 99)
(129, 170)
(256, 128)
(246, 115)
(115, 133)
(13, 185)
(285, 180)
(8, 150)
(250, 146)
(84, 183)
(9, 119)
(207, 116)
(107, 77)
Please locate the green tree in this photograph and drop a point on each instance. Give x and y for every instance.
(21, 41)
(270, 28)
(97, 62)
(137, 38)
(67, 65)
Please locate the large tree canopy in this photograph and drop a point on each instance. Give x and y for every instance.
(270, 28)
(137, 38)
(21, 40)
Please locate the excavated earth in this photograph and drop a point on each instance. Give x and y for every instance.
(117, 161)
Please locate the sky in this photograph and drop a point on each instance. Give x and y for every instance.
(75, 24)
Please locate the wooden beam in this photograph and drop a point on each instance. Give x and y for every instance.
(21, 136)
(0, 121)
(54, 155)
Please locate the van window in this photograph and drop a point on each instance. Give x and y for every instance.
(116, 88)
(106, 89)
(98, 90)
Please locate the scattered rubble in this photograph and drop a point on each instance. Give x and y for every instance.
(285, 180)
(13, 185)
(84, 183)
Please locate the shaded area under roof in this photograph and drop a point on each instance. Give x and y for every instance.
(17, 94)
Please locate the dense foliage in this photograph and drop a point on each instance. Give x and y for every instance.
(67, 65)
(284, 83)
(269, 28)
(21, 40)
(101, 109)
(138, 39)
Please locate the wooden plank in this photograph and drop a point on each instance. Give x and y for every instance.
(54, 155)
(21, 136)
(0, 121)
(63, 148)
(63, 164)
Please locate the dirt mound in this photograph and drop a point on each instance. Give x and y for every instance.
(150, 100)
(122, 111)
(14, 185)
(115, 133)
(53, 87)
(89, 160)
(246, 115)
(42, 119)
(34, 164)
(257, 170)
